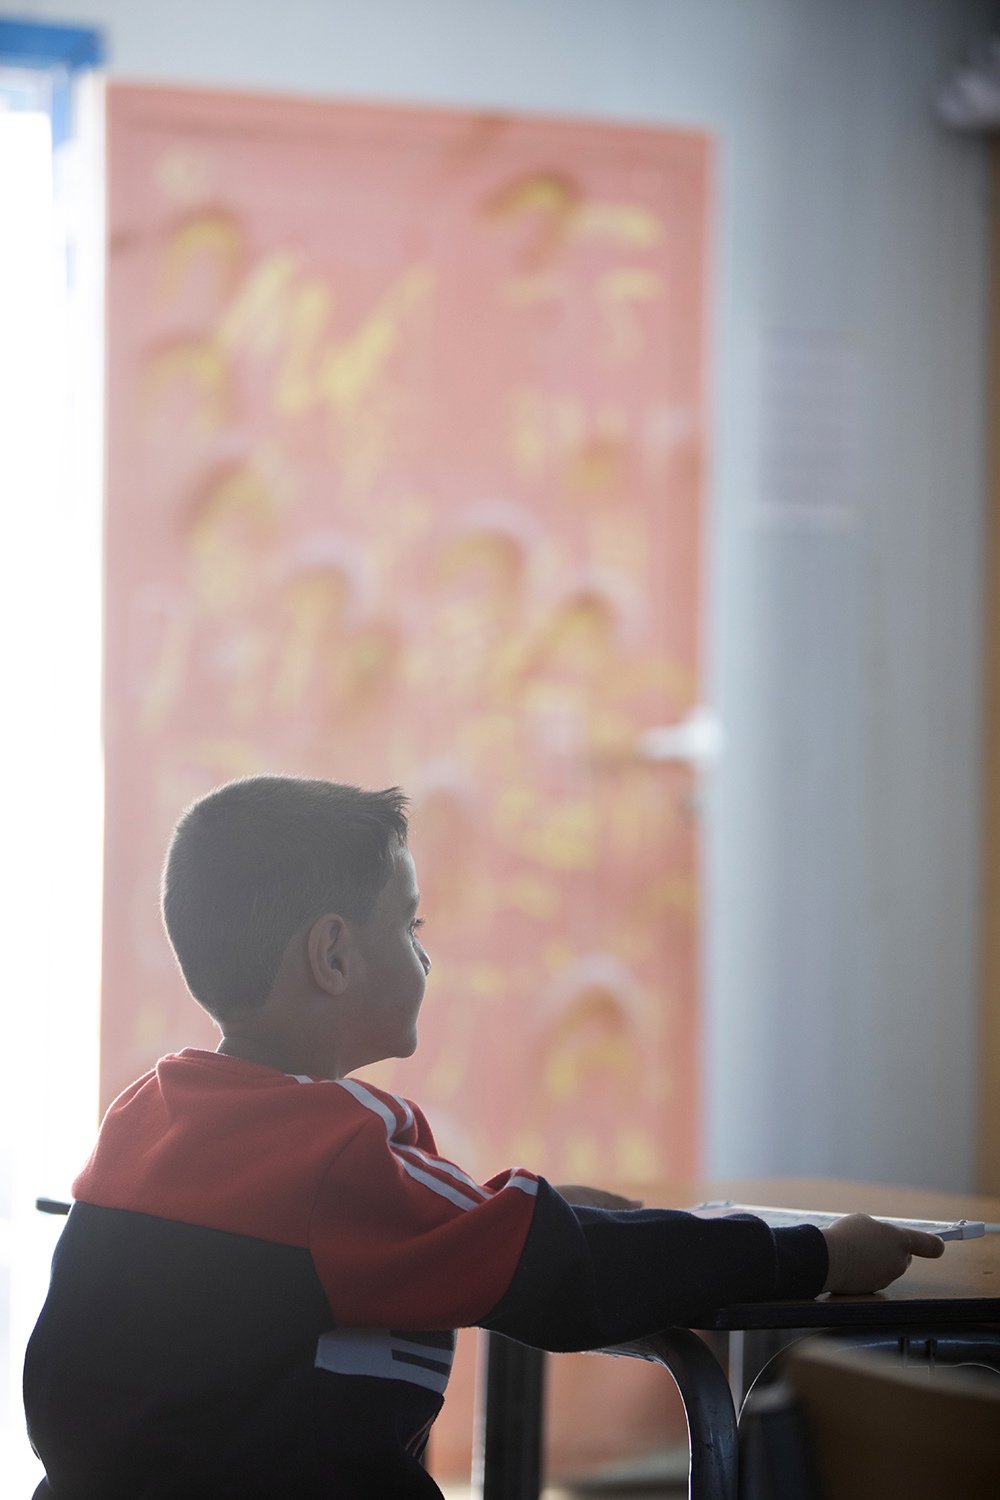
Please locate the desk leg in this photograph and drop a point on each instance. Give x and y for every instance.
(512, 1439)
(713, 1473)
(512, 1442)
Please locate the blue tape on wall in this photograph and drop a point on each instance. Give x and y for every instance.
(59, 51)
(28, 44)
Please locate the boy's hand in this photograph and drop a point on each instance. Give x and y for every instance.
(866, 1255)
(591, 1197)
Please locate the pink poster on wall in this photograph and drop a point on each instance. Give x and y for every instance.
(407, 420)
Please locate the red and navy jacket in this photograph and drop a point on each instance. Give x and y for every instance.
(255, 1293)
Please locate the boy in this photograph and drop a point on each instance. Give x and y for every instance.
(254, 1293)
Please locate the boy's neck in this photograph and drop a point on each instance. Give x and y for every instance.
(269, 1052)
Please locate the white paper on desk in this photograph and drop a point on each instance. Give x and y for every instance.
(788, 1218)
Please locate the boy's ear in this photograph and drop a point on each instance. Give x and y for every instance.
(327, 947)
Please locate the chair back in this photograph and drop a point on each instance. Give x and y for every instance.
(876, 1428)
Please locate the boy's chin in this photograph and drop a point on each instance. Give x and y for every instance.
(400, 1046)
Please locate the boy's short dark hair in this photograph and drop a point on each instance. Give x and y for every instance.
(256, 860)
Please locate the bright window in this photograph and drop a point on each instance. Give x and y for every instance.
(51, 279)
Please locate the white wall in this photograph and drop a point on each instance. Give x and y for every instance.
(842, 832)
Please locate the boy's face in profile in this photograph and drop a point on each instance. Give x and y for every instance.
(396, 965)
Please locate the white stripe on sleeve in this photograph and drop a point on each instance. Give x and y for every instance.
(372, 1102)
(443, 1189)
(407, 1111)
(440, 1165)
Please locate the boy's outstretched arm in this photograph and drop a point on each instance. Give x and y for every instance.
(865, 1254)
(589, 1277)
(401, 1238)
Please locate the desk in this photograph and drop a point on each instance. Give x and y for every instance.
(944, 1300)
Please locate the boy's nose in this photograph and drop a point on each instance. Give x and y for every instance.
(425, 958)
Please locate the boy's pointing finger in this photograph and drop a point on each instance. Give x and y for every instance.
(918, 1242)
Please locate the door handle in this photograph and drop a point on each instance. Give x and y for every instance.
(696, 741)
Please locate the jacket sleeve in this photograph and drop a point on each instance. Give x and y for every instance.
(402, 1238)
(589, 1277)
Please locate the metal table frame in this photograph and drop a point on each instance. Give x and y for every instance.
(513, 1427)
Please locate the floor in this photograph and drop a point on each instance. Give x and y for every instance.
(662, 1475)
(466, 1492)
(655, 1476)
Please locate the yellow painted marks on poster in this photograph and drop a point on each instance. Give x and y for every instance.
(213, 237)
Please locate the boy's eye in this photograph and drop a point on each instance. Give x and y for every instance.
(418, 922)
